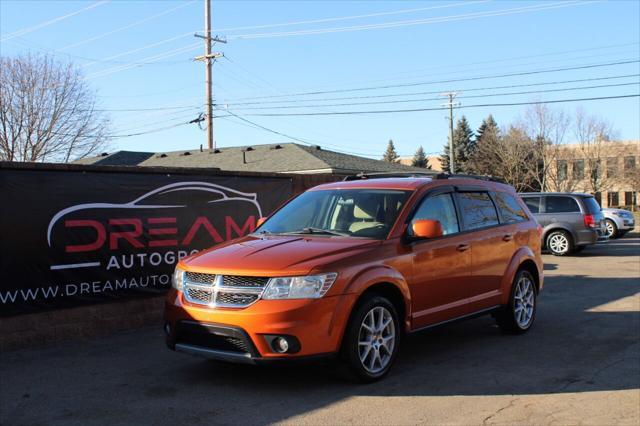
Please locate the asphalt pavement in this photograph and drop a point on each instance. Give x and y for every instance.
(580, 364)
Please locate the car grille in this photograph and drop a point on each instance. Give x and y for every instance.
(213, 339)
(227, 291)
(197, 277)
(201, 296)
(235, 281)
(236, 299)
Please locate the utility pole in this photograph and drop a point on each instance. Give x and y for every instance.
(451, 96)
(208, 58)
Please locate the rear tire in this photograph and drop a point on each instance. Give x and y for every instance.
(518, 316)
(612, 229)
(372, 338)
(559, 243)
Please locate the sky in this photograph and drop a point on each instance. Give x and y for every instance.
(312, 57)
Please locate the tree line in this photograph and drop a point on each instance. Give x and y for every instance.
(531, 153)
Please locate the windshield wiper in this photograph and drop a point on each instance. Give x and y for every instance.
(311, 230)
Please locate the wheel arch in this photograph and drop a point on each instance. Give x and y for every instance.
(523, 258)
(557, 227)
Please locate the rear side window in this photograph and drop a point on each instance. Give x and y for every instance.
(592, 205)
(562, 205)
(510, 209)
(439, 207)
(477, 210)
(533, 204)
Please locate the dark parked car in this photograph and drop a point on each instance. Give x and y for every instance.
(570, 221)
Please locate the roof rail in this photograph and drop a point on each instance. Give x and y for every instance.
(464, 176)
(382, 175)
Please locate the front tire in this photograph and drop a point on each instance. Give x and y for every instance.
(372, 338)
(559, 243)
(612, 229)
(518, 316)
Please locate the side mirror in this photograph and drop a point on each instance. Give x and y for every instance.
(261, 221)
(427, 228)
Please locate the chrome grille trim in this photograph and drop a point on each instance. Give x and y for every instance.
(213, 291)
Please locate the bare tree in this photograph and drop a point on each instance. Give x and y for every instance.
(547, 128)
(510, 156)
(47, 112)
(592, 134)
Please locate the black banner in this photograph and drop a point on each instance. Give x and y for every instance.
(74, 237)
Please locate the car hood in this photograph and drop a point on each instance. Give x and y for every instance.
(275, 255)
(608, 212)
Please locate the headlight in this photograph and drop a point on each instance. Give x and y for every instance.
(178, 279)
(308, 287)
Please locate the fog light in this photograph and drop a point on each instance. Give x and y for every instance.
(280, 345)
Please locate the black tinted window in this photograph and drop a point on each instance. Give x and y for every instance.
(562, 205)
(441, 208)
(592, 205)
(533, 204)
(510, 208)
(477, 209)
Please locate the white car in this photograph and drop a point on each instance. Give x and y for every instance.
(618, 222)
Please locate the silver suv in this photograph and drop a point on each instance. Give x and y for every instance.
(570, 221)
(618, 222)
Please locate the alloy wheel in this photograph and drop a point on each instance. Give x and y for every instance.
(376, 339)
(524, 301)
(559, 243)
(610, 229)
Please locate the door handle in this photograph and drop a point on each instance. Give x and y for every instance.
(463, 247)
(507, 237)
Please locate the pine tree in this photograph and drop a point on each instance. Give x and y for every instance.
(483, 159)
(464, 145)
(390, 155)
(488, 129)
(444, 158)
(420, 159)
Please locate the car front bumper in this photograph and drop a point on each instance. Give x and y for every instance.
(627, 224)
(314, 327)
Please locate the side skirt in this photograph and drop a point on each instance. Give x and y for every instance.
(459, 319)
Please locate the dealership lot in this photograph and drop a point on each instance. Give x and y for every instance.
(579, 364)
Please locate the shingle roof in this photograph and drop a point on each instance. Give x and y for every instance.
(279, 158)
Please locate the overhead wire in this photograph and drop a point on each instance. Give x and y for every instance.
(433, 92)
(36, 27)
(396, 24)
(346, 18)
(300, 114)
(126, 27)
(456, 80)
(527, 92)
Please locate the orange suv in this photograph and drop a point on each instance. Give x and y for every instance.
(348, 268)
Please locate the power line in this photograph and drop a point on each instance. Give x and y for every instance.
(465, 66)
(50, 22)
(392, 95)
(527, 92)
(139, 49)
(396, 24)
(196, 106)
(514, 58)
(126, 27)
(423, 83)
(297, 139)
(146, 60)
(346, 18)
(300, 114)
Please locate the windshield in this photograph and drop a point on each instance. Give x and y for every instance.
(367, 213)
